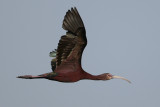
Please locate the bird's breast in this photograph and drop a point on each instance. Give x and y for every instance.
(67, 77)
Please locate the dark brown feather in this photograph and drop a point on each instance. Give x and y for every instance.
(71, 45)
(65, 46)
(53, 64)
(72, 21)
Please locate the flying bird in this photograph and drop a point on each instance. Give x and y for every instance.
(66, 62)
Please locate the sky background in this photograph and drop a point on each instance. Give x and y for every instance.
(123, 39)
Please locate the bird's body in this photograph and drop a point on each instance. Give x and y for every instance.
(66, 66)
(71, 76)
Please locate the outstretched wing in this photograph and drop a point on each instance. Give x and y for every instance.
(71, 45)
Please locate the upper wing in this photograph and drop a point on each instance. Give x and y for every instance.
(71, 45)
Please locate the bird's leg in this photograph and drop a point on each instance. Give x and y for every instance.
(53, 53)
(31, 77)
(36, 77)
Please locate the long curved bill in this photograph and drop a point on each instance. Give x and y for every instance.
(118, 77)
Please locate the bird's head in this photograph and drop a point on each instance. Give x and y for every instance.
(108, 76)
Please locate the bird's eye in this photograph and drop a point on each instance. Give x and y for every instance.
(109, 75)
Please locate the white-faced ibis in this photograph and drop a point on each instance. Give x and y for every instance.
(66, 65)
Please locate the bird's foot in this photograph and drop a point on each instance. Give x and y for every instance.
(53, 53)
(31, 77)
(26, 77)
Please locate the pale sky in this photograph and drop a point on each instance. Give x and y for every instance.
(123, 39)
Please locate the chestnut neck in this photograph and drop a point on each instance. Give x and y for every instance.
(92, 77)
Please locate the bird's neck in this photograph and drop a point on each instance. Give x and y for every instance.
(92, 77)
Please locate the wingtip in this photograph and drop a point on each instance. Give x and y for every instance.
(72, 20)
